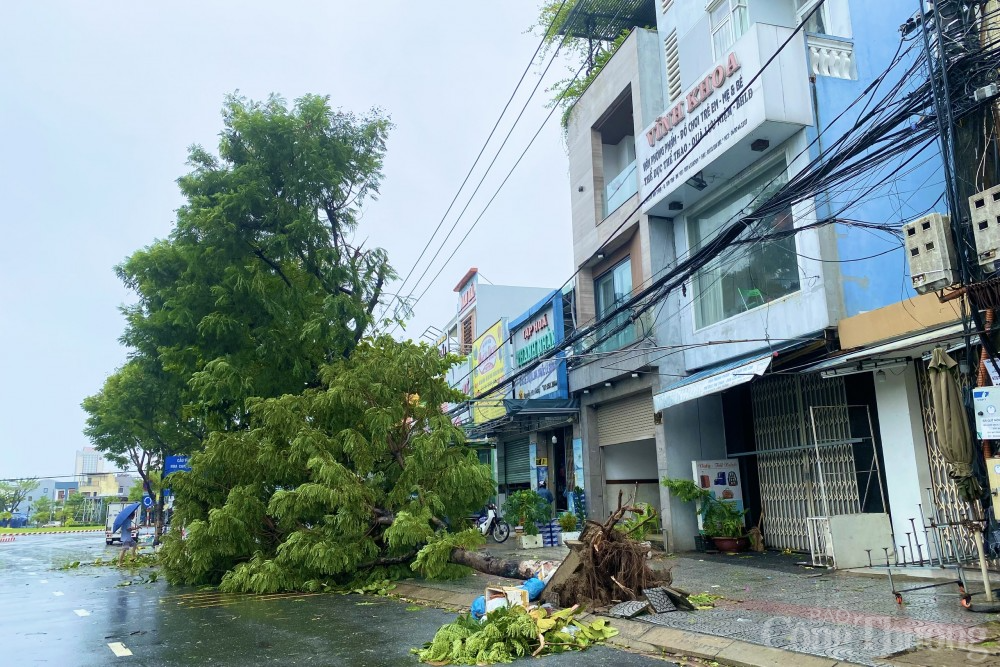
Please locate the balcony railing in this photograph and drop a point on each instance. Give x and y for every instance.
(620, 189)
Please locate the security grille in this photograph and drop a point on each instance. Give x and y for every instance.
(789, 483)
(516, 462)
(946, 507)
(626, 421)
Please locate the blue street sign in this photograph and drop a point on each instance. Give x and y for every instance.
(147, 501)
(175, 464)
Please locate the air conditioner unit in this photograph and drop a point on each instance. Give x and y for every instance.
(984, 209)
(931, 252)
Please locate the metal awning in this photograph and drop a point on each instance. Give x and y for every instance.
(913, 346)
(713, 380)
(541, 406)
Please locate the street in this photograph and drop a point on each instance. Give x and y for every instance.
(97, 615)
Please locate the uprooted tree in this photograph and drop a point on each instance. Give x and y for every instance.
(318, 453)
(351, 478)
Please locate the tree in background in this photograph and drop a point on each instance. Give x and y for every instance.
(72, 509)
(12, 493)
(44, 510)
(354, 477)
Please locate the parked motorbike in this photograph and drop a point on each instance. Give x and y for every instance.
(493, 524)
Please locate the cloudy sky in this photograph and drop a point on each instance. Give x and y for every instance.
(101, 100)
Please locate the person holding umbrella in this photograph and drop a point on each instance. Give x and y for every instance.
(124, 522)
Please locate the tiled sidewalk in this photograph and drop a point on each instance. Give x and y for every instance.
(770, 601)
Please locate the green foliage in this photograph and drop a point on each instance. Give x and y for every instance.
(704, 600)
(352, 476)
(638, 524)
(568, 91)
(432, 560)
(509, 633)
(567, 521)
(528, 509)
(720, 518)
(43, 509)
(13, 492)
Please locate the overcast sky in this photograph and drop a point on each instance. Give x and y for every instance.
(100, 101)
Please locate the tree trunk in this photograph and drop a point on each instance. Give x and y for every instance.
(158, 530)
(498, 567)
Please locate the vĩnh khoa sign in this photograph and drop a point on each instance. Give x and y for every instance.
(729, 115)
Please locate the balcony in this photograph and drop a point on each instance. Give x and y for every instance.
(620, 189)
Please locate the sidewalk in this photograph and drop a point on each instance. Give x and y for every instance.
(770, 606)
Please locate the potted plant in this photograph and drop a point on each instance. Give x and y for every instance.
(530, 509)
(722, 520)
(567, 521)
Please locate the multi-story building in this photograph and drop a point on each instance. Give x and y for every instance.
(88, 462)
(716, 377)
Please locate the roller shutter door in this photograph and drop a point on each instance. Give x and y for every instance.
(516, 463)
(626, 420)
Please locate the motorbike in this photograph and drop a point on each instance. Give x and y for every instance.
(493, 524)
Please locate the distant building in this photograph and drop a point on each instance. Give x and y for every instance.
(88, 462)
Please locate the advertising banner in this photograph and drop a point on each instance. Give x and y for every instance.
(489, 367)
(722, 477)
(540, 382)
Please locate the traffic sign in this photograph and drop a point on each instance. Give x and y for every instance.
(175, 464)
(147, 501)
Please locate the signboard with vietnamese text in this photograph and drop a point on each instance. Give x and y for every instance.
(542, 381)
(489, 368)
(536, 337)
(722, 109)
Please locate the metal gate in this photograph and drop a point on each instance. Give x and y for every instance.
(942, 500)
(627, 420)
(517, 465)
(787, 455)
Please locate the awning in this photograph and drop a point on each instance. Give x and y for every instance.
(541, 406)
(914, 346)
(713, 380)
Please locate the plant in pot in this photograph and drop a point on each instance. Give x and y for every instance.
(567, 522)
(530, 509)
(722, 521)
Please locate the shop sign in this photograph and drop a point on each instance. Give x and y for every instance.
(724, 108)
(722, 478)
(540, 382)
(489, 367)
(535, 338)
(467, 296)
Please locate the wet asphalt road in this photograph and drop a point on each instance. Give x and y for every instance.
(53, 616)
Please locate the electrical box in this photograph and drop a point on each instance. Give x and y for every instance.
(993, 468)
(984, 209)
(931, 253)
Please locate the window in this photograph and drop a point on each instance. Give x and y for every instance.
(818, 21)
(610, 290)
(729, 20)
(747, 276)
(468, 335)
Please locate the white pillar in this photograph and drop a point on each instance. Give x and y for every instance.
(904, 450)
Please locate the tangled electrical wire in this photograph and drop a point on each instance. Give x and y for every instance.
(895, 125)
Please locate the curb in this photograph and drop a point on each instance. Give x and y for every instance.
(652, 639)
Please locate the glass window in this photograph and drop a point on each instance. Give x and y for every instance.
(817, 22)
(729, 20)
(611, 289)
(745, 276)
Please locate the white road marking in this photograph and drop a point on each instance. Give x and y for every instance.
(57, 593)
(119, 649)
(43, 581)
(81, 612)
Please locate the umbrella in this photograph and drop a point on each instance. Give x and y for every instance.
(124, 516)
(953, 425)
